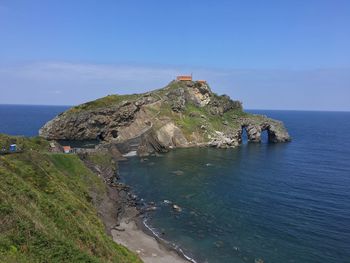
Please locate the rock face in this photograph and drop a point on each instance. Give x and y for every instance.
(171, 136)
(222, 104)
(275, 129)
(194, 92)
(183, 114)
(102, 123)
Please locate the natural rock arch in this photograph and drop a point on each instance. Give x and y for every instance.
(254, 132)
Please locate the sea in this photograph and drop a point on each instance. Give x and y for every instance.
(257, 203)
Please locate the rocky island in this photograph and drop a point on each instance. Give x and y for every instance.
(182, 114)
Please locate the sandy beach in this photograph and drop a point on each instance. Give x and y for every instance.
(130, 235)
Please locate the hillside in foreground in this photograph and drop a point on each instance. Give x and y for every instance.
(47, 208)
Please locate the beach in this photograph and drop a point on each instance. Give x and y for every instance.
(130, 234)
(124, 219)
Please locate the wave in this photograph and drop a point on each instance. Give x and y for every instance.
(172, 245)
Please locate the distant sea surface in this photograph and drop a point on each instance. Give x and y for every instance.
(256, 203)
(26, 120)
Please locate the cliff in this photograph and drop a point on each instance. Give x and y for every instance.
(182, 114)
(53, 208)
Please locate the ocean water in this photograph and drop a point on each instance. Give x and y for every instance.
(271, 202)
(26, 120)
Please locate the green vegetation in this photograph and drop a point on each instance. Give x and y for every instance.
(33, 143)
(46, 209)
(171, 86)
(110, 100)
(193, 118)
(102, 159)
(222, 114)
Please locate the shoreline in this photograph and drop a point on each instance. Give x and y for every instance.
(134, 233)
(124, 218)
(165, 243)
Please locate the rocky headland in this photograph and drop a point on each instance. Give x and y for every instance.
(40, 180)
(182, 114)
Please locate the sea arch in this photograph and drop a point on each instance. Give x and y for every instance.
(254, 132)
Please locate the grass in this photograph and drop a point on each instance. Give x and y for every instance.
(46, 212)
(23, 143)
(110, 100)
(103, 159)
(193, 118)
(190, 124)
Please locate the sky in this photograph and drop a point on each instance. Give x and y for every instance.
(291, 54)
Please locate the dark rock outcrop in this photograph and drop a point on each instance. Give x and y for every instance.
(101, 123)
(149, 144)
(222, 104)
(177, 99)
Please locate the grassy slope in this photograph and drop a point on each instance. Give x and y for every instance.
(46, 213)
(115, 99)
(107, 101)
(193, 117)
(212, 123)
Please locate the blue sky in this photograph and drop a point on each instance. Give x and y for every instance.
(268, 54)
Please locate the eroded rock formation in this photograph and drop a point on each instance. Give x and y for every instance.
(183, 114)
(275, 130)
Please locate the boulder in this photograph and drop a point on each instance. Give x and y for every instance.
(177, 208)
(178, 172)
(171, 135)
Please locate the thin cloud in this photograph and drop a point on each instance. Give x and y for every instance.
(73, 83)
(54, 70)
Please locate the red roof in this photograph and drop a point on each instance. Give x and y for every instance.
(66, 148)
(184, 78)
